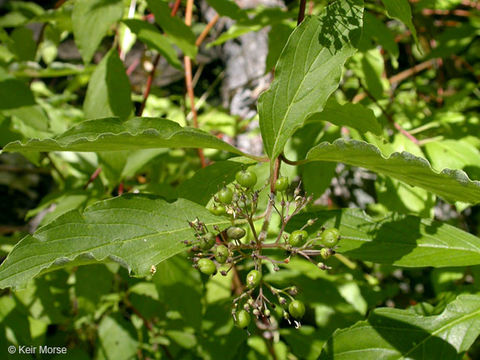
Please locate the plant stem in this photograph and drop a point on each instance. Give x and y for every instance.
(188, 81)
(148, 86)
(301, 11)
(205, 31)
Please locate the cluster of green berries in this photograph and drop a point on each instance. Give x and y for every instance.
(220, 251)
(245, 179)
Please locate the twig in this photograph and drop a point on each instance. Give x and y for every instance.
(148, 86)
(175, 8)
(93, 177)
(389, 116)
(205, 31)
(268, 213)
(412, 71)
(301, 11)
(188, 80)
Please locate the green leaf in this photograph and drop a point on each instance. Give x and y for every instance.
(154, 39)
(178, 33)
(402, 334)
(23, 45)
(91, 20)
(108, 92)
(400, 240)
(207, 181)
(277, 38)
(454, 154)
(111, 134)
(14, 94)
(116, 339)
(400, 10)
(451, 185)
(374, 29)
(228, 8)
(355, 116)
(137, 231)
(308, 71)
(264, 17)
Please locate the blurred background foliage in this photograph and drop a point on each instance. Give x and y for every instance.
(62, 62)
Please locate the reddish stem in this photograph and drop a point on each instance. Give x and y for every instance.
(148, 86)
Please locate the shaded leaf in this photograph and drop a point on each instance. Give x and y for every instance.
(452, 185)
(396, 239)
(91, 21)
(308, 71)
(137, 231)
(228, 8)
(178, 33)
(116, 339)
(111, 134)
(403, 334)
(154, 39)
(108, 92)
(207, 181)
(400, 10)
(352, 115)
(14, 93)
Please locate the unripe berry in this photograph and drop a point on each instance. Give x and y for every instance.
(207, 241)
(206, 266)
(225, 195)
(281, 184)
(254, 278)
(218, 210)
(246, 178)
(235, 232)
(242, 319)
(330, 237)
(298, 238)
(325, 253)
(221, 254)
(296, 309)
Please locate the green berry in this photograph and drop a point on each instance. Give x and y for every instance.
(207, 266)
(296, 309)
(246, 178)
(325, 253)
(221, 253)
(330, 237)
(243, 319)
(281, 184)
(253, 279)
(298, 238)
(218, 210)
(235, 232)
(225, 195)
(207, 241)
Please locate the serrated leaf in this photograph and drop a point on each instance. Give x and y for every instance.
(400, 240)
(111, 134)
(451, 185)
(154, 39)
(178, 33)
(108, 92)
(91, 20)
(403, 334)
(355, 116)
(137, 231)
(308, 71)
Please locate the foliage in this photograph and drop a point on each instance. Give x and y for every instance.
(136, 224)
